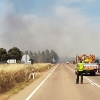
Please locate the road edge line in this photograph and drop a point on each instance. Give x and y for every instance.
(28, 98)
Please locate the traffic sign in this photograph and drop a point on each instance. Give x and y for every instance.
(53, 60)
(25, 58)
(11, 61)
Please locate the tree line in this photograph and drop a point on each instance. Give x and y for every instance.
(36, 57)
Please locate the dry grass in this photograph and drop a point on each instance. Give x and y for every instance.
(12, 77)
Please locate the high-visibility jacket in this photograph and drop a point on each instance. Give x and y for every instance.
(80, 66)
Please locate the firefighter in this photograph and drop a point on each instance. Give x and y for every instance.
(79, 71)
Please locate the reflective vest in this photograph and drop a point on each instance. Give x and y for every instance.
(80, 66)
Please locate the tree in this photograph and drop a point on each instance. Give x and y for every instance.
(15, 53)
(31, 57)
(53, 55)
(22, 53)
(43, 57)
(47, 56)
(26, 52)
(3, 55)
(35, 57)
(39, 57)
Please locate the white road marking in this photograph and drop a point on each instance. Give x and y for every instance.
(28, 98)
(90, 81)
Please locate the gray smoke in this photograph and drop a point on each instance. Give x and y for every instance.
(67, 31)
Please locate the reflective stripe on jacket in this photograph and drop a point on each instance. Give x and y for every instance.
(80, 66)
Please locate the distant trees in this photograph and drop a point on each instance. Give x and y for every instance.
(40, 57)
(3, 55)
(31, 57)
(54, 55)
(45, 57)
(15, 53)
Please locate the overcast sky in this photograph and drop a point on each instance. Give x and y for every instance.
(66, 26)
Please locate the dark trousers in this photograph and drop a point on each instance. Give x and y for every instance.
(79, 73)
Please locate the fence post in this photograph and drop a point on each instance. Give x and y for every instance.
(33, 73)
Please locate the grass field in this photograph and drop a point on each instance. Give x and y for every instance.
(14, 74)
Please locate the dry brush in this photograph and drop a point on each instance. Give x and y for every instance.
(12, 74)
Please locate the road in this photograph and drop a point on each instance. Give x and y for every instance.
(58, 83)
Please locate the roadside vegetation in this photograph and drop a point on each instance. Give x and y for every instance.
(15, 77)
(36, 57)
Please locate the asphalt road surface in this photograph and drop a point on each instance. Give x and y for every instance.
(58, 83)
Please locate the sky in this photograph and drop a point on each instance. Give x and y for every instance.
(69, 27)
